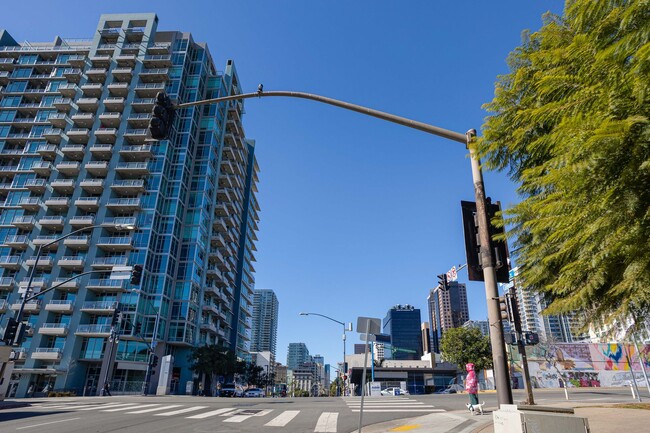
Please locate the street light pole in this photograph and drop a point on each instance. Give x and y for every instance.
(152, 347)
(499, 358)
(344, 329)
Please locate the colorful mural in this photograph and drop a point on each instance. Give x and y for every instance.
(584, 364)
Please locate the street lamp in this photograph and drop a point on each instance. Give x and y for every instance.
(346, 327)
(152, 344)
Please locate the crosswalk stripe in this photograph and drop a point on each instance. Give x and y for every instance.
(211, 413)
(283, 419)
(327, 422)
(128, 406)
(390, 407)
(155, 409)
(180, 411)
(109, 405)
(242, 417)
(398, 410)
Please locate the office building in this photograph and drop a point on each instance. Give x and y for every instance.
(265, 321)
(426, 337)
(75, 153)
(297, 354)
(447, 309)
(402, 323)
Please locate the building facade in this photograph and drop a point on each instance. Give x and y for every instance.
(481, 325)
(265, 321)
(447, 309)
(426, 337)
(297, 354)
(402, 323)
(75, 154)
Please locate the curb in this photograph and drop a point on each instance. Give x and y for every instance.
(13, 405)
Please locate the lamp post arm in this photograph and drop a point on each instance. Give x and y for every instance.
(421, 126)
(327, 317)
(83, 229)
(62, 283)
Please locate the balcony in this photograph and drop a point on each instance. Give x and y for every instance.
(73, 263)
(128, 187)
(115, 243)
(43, 168)
(37, 283)
(47, 151)
(68, 90)
(123, 205)
(99, 307)
(3, 306)
(106, 135)
(110, 120)
(92, 90)
(44, 262)
(58, 120)
(88, 104)
(77, 242)
(52, 222)
(58, 204)
(7, 283)
(96, 75)
(69, 168)
(53, 135)
(136, 136)
(109, 262)
(62, 306)
(10, 262)
(97, 168)
(78, 135)
(71, 151)
(218, 240)
(132, 169)
(139, 120)
(118, 89)
(47, 354)
(41, 241)
(117, 223)
(77, 61)
(157, 61)
(123, 74)
(125, 60)
(149, 90)
(89, 204)
(136, 153)
(63, 284)
(63, 186)
(24, 222)
(223, 195)
(219, 225)
(30, 203)
(106, 285)
(54, 329)
(221, 210)
(154, 75)
(143, 105)
(114, 103)
(110, 34)
(36, 185)
(62, 104)
(17, 242)
(100, 60)
(82, 221)
(92, 186)
(30, 307)
(72, 74)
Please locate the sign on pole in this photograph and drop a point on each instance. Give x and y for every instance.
(452, 275)
(121, 273)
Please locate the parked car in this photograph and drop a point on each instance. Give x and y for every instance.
(446, 391)
(254, 392)
(231, 390)
(394, 391)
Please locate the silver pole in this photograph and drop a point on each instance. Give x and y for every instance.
(363, 378)
(645, 375)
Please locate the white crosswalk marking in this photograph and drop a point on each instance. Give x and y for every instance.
(283, 419)
(242, 417)
(180, 411)
(129, 406)
(171, 406)
(211, 413)
(383, 404)
(327, 422)
(105, 406)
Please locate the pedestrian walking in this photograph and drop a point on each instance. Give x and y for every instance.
(471, 384)
(107, 390)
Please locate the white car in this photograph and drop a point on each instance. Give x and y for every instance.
(394, 391)
(254, 392)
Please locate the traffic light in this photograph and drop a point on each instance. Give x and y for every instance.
(442, 281)
(117, 318)
(153, 360)
(23, 328)
(162, 117)
(504, 308)
(137, 328)
(531, 338)
(510, 338)
(136, 275)
(10, 331)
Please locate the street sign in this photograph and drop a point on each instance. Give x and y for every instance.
(371, 337)
(452, 275)
(121, 273)
(369, 325)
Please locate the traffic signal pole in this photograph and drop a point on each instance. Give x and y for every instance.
(499, 358)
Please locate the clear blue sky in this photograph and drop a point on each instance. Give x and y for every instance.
(357, 214)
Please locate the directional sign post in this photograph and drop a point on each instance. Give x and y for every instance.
(371, 326)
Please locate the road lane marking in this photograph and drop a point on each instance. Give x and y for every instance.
(155, 409)
(180, 411)
(109, 405)
(407, 427)
(283, 419)
(327, 422)
(127, 406)
(211, 413)
(399, 410)
(46, 423)
(242, 417)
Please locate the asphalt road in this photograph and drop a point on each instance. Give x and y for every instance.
(204, 414)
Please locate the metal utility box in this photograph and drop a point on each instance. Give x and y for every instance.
(511, 418)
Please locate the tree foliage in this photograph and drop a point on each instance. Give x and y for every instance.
(464, 345)
(213, 360)
(570, 125)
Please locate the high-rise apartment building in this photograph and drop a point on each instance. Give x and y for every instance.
(75, 153)
(481, 325)
(426, 337)
(265, 321)
(297, 354)
(402, 323)
(447, 309)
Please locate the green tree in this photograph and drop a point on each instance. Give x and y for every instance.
(570, 125)
(464, 345)
(212, 360)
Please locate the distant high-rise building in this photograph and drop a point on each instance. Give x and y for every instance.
(426, 337)
(447, 309)
(318, 359)
(360, 349)
(481, 325)
(402, 323)
(265, 321)
(297, 354)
